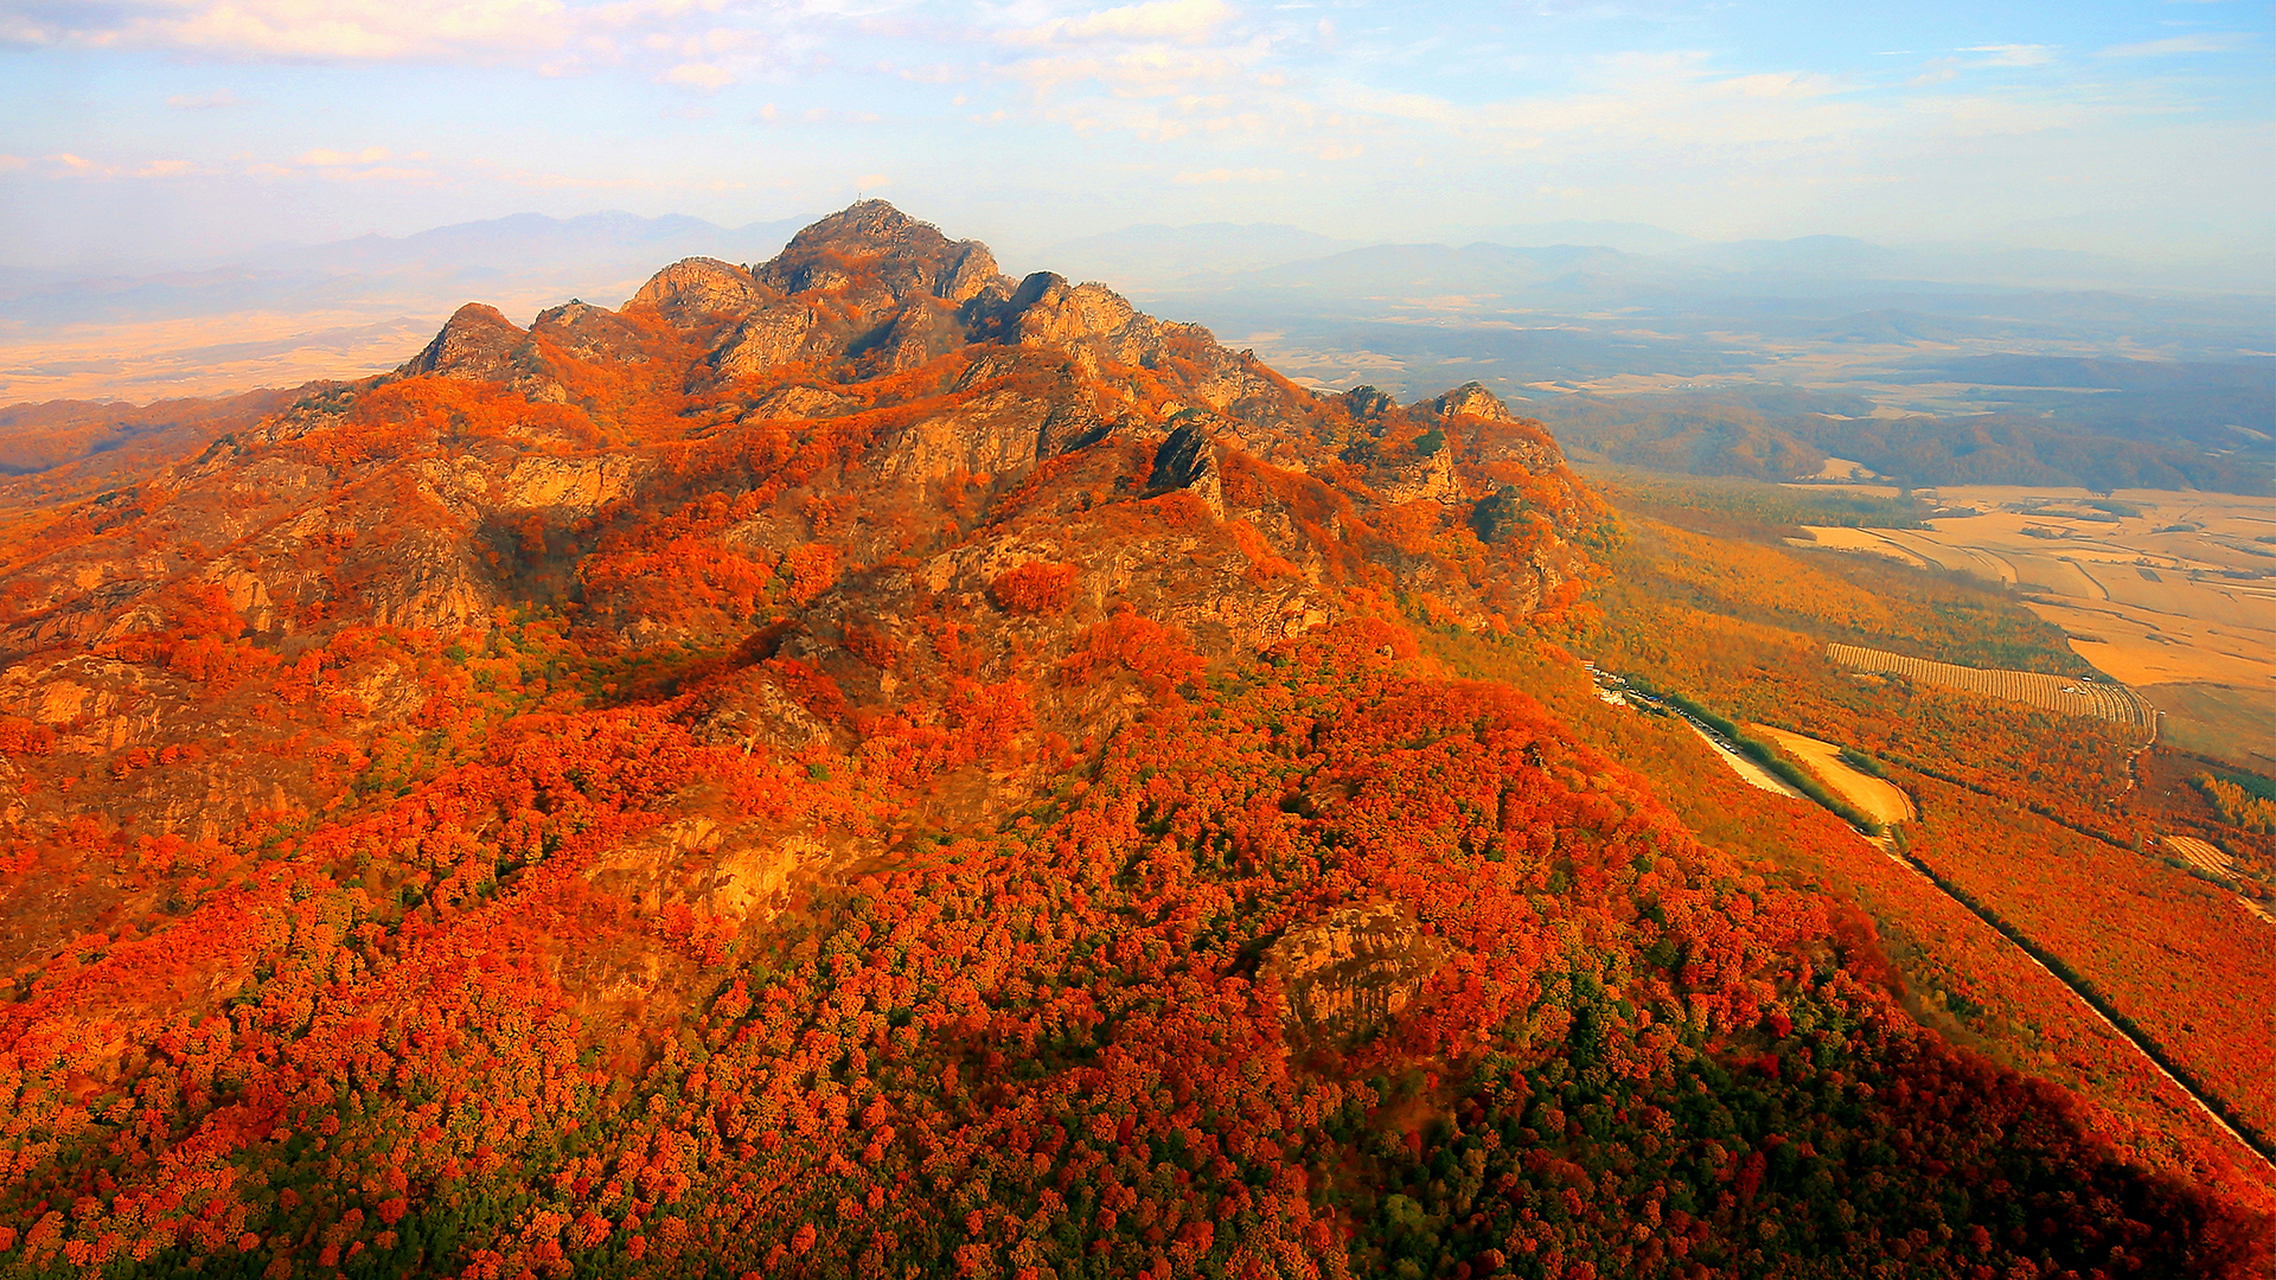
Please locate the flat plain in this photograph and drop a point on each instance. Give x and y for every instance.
(182, 356)
(2173, 593)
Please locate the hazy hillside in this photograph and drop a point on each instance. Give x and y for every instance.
(337, 310)
(1160, 256)
(1645, 360)
(597, 254)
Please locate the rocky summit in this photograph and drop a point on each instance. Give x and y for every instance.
(873, 435)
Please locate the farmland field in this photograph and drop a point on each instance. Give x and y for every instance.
(2044, 821)
(2199, 854)
(2171, 593)
(2093, 700)
(1877, 798)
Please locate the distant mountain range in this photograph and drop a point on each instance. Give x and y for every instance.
(1563, 273)
(1156, 253)
(534, 242)
(1592, 307)
(501, 258)
(1568, 263)
(1627, 237)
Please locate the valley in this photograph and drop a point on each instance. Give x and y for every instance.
(2173, 594)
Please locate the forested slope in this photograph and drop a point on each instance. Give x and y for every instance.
(859, 765)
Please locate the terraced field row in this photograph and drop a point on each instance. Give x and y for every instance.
(2064, 695)
(2201, 855)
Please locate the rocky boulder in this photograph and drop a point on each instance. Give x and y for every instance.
(1348, 975)
(1470, 400)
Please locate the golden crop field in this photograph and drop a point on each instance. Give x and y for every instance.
(2171, 593)
(1877, 798)
(2199, 854)
(2064, 695)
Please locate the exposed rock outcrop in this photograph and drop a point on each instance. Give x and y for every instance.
(780, 331)
(590, 333)
(1470, 400)
(730, 873)
(1348, 975)
(1188, 460)
(1433, 478)
(478, 343)
(695, 292)
(875, 253)
(569, 487)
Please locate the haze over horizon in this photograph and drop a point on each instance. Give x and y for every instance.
(160, 133)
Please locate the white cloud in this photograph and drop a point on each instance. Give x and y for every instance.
(371, 164)
(700, 75)
(2173, 45)
(552, 36)
(340, 30)
(204, 101)
(1779, 85)
(1144, 71)
(1675, 112)
(2014, 55)
(1182, 20)
(323, 158)
(1163, 48)
(1195, 177)
(381, 173)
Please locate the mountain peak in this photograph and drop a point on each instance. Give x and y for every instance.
(907, 256)
(477, 343)
(875, 219)
(1472, 400)
(696, 288)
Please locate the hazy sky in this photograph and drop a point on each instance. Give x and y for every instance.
(166, 129)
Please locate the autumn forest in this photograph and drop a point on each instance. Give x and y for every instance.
(859, 765)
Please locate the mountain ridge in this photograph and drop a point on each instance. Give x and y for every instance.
(864, 318)
(856, 763)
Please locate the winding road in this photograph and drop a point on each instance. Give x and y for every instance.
(1755, 776)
